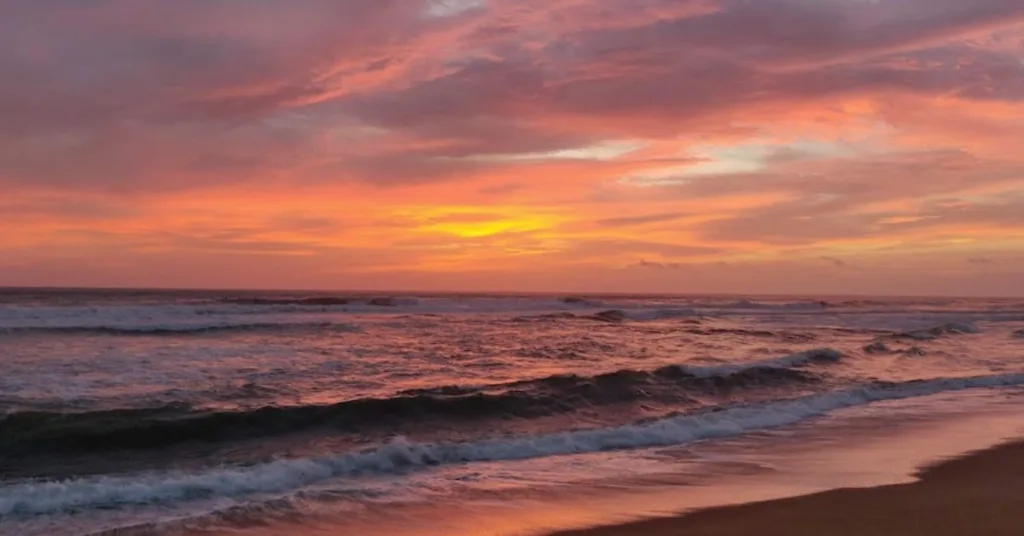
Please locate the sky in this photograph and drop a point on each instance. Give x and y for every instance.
(676, 146)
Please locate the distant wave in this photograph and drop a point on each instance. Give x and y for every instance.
(180, 329)
(321, 301)
(283, 476)
(616, 316)
(317, 301)
(788, 336)
(662, 314)
(612, 316)
(951, 328)
(689, 316)
(817, 355)
(262, 311)
(256, 311)
(36, 432)
(815, 305)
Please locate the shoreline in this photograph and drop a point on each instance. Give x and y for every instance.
(977, 493)
(805, 461)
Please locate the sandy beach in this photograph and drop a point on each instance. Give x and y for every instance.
(979, 494)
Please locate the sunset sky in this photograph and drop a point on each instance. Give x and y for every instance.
(769, 146)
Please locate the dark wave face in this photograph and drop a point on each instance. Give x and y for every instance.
(37, 432)
(400, 457)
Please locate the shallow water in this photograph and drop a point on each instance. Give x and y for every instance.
(181, 411)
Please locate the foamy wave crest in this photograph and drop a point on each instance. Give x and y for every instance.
(400, 455)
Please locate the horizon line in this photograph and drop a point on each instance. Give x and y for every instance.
(421, 292)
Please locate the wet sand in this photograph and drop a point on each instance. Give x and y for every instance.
(980, 494)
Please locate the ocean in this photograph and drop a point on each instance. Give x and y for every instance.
(207, 412)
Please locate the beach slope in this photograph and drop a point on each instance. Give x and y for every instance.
(980, 494)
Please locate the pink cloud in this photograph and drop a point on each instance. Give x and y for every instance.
(847, 121)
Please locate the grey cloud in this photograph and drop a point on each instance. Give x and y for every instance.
(602, 248)
(130, 96)
(834, 261)
(627, 221)
(660, 265)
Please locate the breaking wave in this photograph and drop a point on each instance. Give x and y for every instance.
(283, 476)
(36, 432)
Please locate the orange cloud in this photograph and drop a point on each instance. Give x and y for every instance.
(520, 145)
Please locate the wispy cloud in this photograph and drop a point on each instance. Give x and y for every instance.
(660, 265)
(577, 135)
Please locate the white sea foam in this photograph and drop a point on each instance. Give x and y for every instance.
(291, 475)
